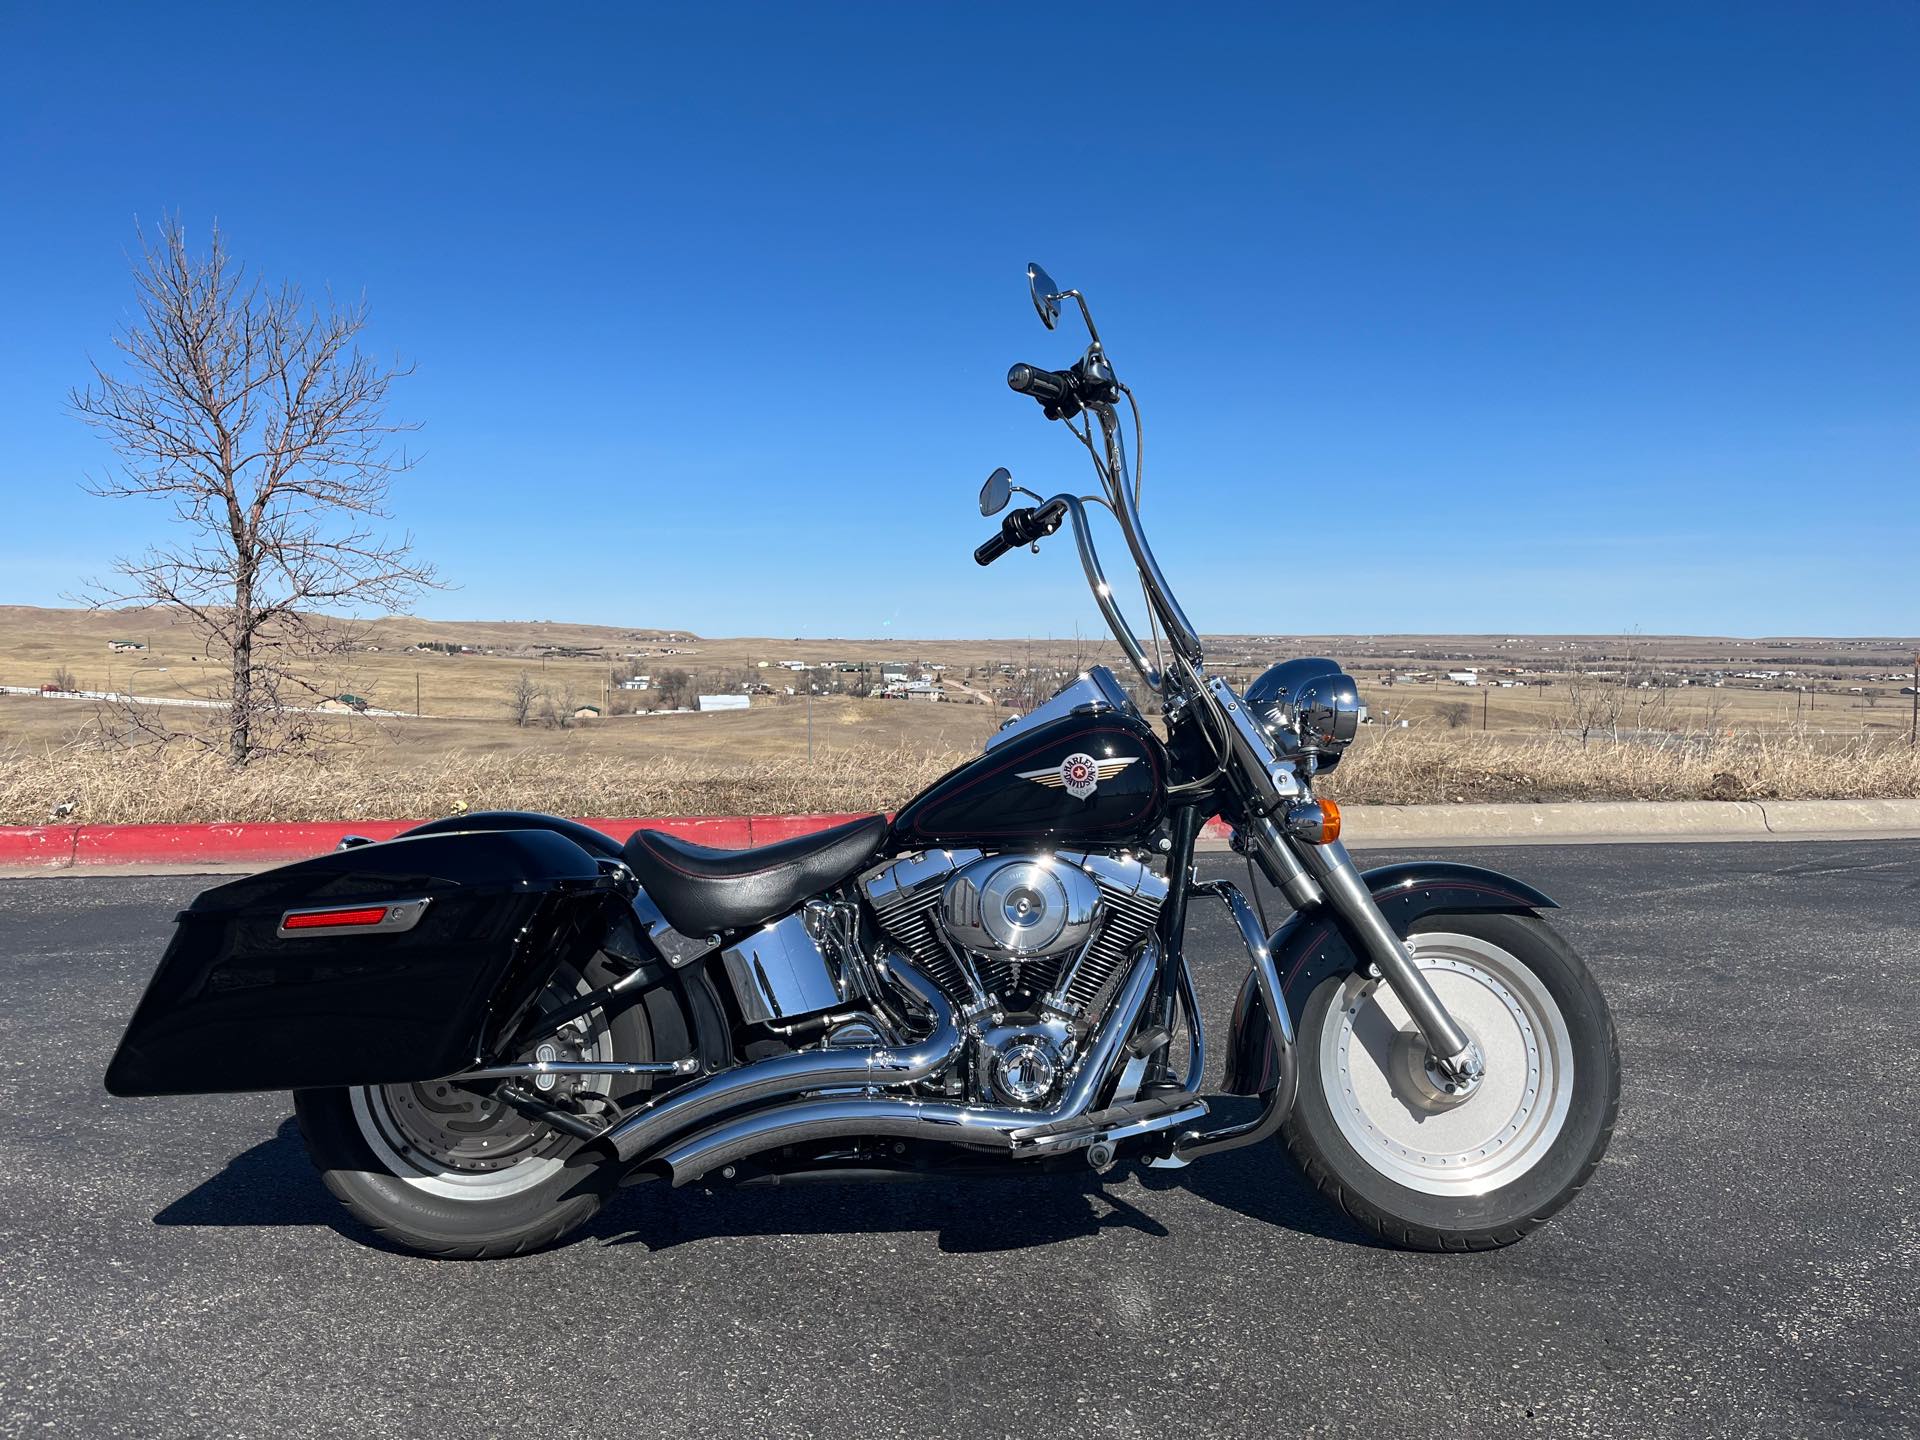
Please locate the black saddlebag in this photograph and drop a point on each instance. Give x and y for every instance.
(328, 973)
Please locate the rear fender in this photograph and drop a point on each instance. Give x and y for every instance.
(1312, 945)
(683, 1006)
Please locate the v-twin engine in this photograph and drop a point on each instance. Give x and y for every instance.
(1020, 934)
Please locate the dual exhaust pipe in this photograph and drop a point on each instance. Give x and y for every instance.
(792, 1110)
(808, 1096)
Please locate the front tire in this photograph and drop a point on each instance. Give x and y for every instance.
(457, 1174)
(1427, 1165)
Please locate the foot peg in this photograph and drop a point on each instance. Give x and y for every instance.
(1102, 1128)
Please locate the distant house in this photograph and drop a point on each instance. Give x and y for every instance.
(724, 702)
(587, 712)
(340, 704)
(637, 682)
(1464, 677)
(122, 647)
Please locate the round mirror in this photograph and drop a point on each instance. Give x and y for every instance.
(1041, 285)
(996, 492)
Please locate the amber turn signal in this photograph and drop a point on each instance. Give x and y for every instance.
(1317, 822)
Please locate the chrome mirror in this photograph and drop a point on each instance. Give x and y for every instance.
(1045, 295)
(996, 492)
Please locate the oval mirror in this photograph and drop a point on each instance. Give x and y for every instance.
(1041, 286)
(996, 492)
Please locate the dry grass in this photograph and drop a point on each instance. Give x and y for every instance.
(1427, 766)
(89, 782)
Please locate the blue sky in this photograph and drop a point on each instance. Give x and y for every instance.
(1462, 317)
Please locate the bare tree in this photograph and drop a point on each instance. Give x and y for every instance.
(557, 707)
(676, 689)
(258, 419)
(526, 695)
(63, 681)
(1593, 703)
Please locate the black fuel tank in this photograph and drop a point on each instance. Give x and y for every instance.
(1094, 779)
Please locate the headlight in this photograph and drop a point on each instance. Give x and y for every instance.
(1308, 706)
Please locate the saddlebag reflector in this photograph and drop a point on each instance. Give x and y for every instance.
(382, 964)
(387, 919)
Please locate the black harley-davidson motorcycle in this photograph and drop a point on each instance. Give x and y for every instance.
(490, 1022)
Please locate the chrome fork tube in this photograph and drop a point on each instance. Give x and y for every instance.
(1348, 894)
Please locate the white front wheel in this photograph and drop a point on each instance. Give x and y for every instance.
(1431, 1163)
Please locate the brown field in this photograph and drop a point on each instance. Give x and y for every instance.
(1835, 728)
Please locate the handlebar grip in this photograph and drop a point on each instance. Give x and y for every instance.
(1025, 526)
(996, 546)
(1049, 387)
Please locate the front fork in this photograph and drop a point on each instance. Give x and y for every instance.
(1313, 874)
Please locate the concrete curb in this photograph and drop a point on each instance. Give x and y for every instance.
(1571, 822)
(35, 849)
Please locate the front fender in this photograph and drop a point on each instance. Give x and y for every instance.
(1312, 944)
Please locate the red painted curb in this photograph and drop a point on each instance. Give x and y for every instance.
(37, 847)
(59, 847)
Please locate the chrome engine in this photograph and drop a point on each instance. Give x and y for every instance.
(1026, 946)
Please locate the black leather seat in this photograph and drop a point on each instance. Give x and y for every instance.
(703, 891)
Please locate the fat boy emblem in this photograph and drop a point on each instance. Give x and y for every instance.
(1079, 774)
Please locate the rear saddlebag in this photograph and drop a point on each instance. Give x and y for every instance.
(380, 964)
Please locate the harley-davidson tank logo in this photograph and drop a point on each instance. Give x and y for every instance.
(1079, 774)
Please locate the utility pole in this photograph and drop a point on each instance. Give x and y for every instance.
(416, 694)
(1485, 696)
(1913, 729)
(809, 725)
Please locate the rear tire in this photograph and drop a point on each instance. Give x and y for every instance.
(444, 1173)
(1379, 1135)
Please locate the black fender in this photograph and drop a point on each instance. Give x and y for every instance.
(683, 1004)
(1312, 945)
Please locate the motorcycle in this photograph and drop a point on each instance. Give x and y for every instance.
(491, 1022)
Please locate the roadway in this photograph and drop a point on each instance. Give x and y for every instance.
(1744, 1262)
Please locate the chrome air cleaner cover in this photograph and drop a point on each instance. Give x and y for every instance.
(1022, 905)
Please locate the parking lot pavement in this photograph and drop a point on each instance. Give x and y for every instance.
(1744, 1262)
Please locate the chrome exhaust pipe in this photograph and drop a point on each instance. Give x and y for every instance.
(794, 1074)
(845, 1116)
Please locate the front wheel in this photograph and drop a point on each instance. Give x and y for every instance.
(1431, 1165)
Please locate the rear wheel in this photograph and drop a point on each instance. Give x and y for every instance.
(1429, 1164)
(459, 1173)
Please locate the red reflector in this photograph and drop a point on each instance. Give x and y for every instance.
(335, 919)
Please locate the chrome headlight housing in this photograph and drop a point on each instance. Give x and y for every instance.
(1308, 706)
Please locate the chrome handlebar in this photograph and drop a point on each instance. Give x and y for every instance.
(1236, 735)
(1126, 508)
(1103, 592)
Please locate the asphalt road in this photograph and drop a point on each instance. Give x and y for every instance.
(1744, 1262)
